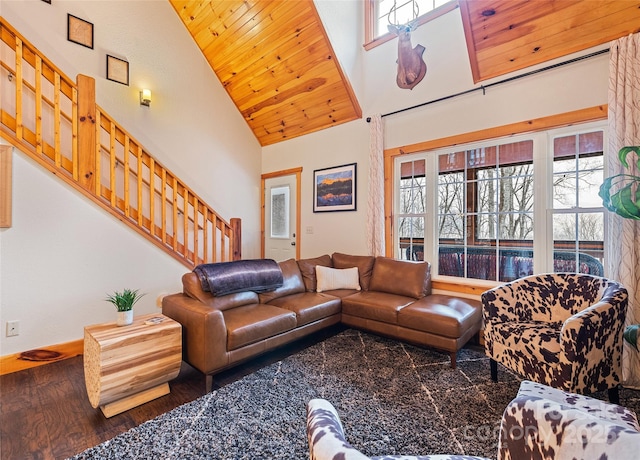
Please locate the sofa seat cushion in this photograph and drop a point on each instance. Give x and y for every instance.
(309, 306)
(252, 323)
(378, 306)
(442, 315)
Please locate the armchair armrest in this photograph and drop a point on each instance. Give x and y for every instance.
(204, 333)
(589, 342)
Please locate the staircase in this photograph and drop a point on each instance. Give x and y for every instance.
(57, 122)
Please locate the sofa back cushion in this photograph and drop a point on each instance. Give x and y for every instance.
(191, 286)
(401, 277)
(292, 282)
(364, 264)
(308, 270)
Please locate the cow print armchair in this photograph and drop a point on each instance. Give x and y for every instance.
(563, 330)
(545, 423)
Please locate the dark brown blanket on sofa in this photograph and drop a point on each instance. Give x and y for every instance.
(259, 275)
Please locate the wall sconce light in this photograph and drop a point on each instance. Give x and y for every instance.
(145, 97)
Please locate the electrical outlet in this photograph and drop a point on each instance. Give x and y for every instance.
(13, 328)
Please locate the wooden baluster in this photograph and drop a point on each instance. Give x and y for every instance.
(56, 120)
(38, 77)
(174, 227)
(196, 229)
(163, 227)
(214, 234)
(139, 173)
(19, 126)
(152, 196)
(126, 176)
(185, 231)
(222, 243)
(205, 234)
(112, 163)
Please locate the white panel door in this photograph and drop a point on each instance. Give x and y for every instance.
(280, 218)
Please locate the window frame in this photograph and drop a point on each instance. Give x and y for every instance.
(543, 211)
(370, 19)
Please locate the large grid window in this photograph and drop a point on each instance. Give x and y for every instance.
(507, 209)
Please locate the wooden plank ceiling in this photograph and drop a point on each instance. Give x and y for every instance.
(276, 62)
(507, 35)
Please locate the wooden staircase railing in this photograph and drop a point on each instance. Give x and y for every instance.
(58, 123)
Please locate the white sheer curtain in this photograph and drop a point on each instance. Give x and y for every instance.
(623, 241)
(375, 201)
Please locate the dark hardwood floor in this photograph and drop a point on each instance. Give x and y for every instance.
(45, 412)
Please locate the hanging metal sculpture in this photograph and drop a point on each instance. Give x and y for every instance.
(411, 65)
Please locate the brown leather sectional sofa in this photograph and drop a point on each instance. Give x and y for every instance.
(395, 300)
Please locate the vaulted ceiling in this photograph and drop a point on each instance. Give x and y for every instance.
(276, 62)
(507, 35)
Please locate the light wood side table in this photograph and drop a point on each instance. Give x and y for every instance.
(125, 366)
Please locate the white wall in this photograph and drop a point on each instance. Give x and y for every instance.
(63, 254)
(576, 86)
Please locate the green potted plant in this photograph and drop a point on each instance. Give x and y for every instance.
(621, 194)
(124, 302)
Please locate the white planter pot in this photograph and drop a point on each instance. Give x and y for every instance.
(124, 318)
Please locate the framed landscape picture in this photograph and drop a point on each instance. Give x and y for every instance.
(334, 189)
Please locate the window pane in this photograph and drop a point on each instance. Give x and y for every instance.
(589, 184)
(564, 191)
(560, 166)
(451, 227)
(280, 212)
(486, 226)
(450, 194)
(411, 233)
(578, 239)
(516, 226)
(487, 196)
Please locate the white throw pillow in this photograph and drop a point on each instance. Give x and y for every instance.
(335, 278)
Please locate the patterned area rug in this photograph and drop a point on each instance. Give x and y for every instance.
(393, 398)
